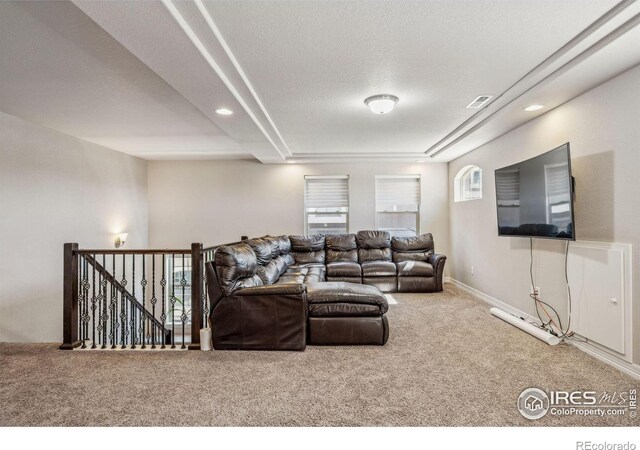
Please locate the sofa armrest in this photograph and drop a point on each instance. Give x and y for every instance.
(272, 317)
(437, 261)
(272, 289)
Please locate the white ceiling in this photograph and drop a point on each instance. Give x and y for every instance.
(145, 77)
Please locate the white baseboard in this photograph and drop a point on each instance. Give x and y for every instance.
(630, 369)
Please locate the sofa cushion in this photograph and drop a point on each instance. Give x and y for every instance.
(373, 239)
(341, 247)
(414, 269)
(262, 248)
(422, 243)
(344, 269)
(378, 269)
(291, 278)
(410, 256)
(307, 243)
(313, 257)
(274, 242)
(270, 273)
(281, 264)
(236, 267)
(374, 254)
(336, 299)
(284, 244)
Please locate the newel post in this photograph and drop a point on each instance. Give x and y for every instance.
(197, 290)
(70, 298)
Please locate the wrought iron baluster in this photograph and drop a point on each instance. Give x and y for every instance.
(93, 303)
(163, 316)
(81, 302)
(104, 316)
(113, 308)
(143, 283)
(173, 301)
(87, 285)
(99, 301)
(154, 300)
(132, 321)
(183, 316)
(123, 307)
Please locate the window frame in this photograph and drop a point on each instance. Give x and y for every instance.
(417, 213)
(460, 193)
(346, 213)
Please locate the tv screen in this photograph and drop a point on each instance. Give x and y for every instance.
(535, 197)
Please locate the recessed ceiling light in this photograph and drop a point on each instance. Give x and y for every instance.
(533, 107)
(381, 104)
(224, 111)
(291, 162)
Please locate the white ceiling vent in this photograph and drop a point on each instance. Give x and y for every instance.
(479, 101)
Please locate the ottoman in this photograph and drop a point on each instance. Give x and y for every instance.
(343, 313)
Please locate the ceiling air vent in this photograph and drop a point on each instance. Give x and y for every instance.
(479, 102)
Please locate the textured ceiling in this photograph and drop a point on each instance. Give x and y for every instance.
(146, 77)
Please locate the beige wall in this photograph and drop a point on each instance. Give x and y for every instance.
(219, 201)
(603, 127)
(56, 189)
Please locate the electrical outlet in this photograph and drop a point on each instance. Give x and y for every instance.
(535, 291)
(473, 270)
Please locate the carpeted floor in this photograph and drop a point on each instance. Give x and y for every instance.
(447, 362)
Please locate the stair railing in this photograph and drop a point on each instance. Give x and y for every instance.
(133, 298)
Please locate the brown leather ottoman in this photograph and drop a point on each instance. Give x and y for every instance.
(346, 314)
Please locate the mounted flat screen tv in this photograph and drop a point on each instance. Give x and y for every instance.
(535, 197)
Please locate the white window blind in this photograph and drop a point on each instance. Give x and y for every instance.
(326, 204)
(398, 193)
(330, 192)
(398, 204)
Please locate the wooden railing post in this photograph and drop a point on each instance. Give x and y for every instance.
(196, 295)
(70, 298)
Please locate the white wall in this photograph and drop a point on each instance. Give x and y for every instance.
(603, 128)
(56, 189)
(218, 201)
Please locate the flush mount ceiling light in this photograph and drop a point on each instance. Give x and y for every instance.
(533, 107)
(224, 111)
(381, 104)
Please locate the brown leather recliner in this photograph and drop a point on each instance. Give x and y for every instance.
(342, 258)
(374, 255)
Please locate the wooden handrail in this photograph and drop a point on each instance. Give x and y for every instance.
(180, 251)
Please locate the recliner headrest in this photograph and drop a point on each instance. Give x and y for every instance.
(311, 243)
(341, 242)
(262, 248)
(234, 262)
(373, 239)
(421, 243)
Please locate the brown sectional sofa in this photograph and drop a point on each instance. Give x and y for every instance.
(283, 292)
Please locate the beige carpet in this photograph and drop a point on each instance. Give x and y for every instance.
(447, 362)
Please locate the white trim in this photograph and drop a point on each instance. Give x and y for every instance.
(630, 369)
(184, 25)
(214, 29)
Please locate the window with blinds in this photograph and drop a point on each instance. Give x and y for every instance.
(398, 204)
(326, 204)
